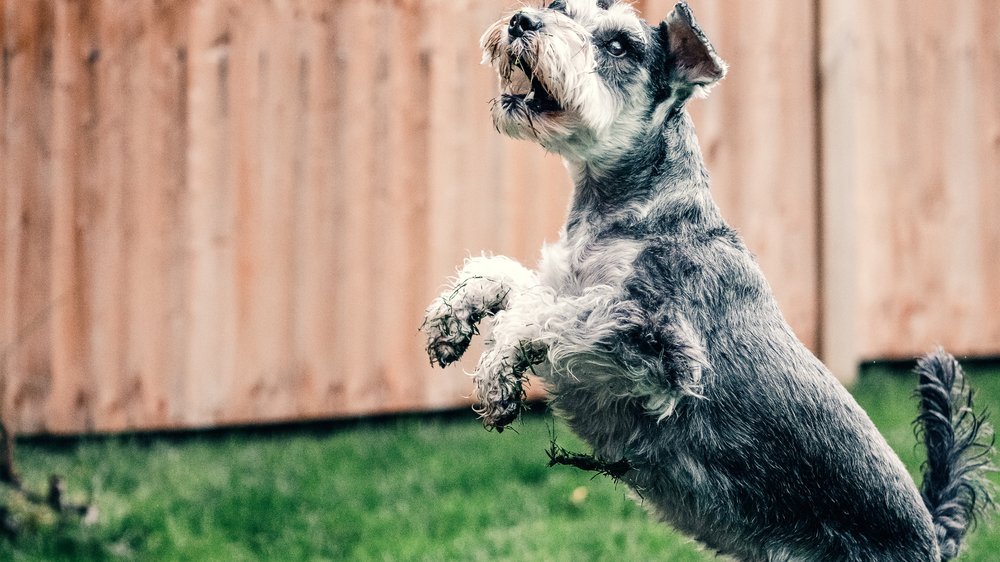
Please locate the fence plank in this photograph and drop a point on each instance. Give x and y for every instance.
(911, 121)
(26, 216)
(319, 381)
(200, 393)
(68, 405)
(156, 284)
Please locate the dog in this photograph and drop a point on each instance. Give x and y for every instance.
(657, 336)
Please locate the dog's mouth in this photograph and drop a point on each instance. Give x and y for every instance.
(524, 86)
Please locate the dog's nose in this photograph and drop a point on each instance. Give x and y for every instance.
(522, 23)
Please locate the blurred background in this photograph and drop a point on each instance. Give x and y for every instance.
(224, 212)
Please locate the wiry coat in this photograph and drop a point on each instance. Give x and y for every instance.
(661, 343)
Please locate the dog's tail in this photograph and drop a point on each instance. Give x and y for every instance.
(959, 446)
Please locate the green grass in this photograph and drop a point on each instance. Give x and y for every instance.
(408, 489)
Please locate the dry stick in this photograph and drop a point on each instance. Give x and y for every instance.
(616, 470)
(557, 455)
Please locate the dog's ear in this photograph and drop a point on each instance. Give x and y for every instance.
(691, 62)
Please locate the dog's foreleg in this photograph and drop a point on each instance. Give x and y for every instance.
(667, 362)
(482, 288)
(618, 348)
(515, 347)
(596, 340)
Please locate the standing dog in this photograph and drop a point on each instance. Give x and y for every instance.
(657, 336)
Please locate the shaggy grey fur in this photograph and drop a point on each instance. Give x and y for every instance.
(651, 324)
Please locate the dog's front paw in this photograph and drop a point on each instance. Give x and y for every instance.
(449, 331)
(501, 399)
(500, 383)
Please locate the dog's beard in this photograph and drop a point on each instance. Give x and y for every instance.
(528, 106)
(544, 83)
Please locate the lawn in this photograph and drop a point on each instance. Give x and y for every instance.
(412, 488)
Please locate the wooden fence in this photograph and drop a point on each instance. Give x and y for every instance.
(228, 211)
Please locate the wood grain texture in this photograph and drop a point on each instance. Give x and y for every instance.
(223, 211)
(912, 156)
(26, 215)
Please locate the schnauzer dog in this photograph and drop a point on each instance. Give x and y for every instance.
(656, 335)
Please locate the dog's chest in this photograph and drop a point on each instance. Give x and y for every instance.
(577, 263)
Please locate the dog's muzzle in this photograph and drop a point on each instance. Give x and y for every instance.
(524, 86)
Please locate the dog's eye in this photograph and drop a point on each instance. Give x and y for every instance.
(616, 48)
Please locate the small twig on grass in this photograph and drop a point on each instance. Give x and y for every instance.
(17, 498)
(16, 495)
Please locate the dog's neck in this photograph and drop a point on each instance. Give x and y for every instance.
(660, 185)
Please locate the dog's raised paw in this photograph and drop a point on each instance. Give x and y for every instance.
(445, 352)
(502, 414)
(500, 391)
(449, 332)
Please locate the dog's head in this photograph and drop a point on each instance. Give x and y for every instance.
(584, 78)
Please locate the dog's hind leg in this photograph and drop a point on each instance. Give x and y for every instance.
(482, 288)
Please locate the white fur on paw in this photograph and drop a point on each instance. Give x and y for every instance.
(449, 331)
(501, 396)
(500, 382)
(483, 287)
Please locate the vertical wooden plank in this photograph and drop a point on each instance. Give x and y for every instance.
(910, 128)
(26, 221)
(357, 42)
(7, 201)
(299, 364)
(239, 392)
(140, 212)
(986, 69)
(379, 233)
(264, 167)
(279, 154)
(248, 58)
(319, 374)
(480, 222)
(5, 87)
(107, 202)
(199, 397)
(155, 284)
(401, 230)
(74, 116)
(841, 112)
